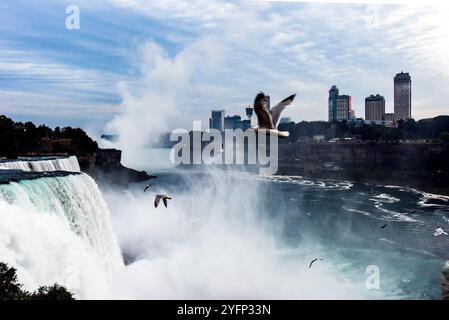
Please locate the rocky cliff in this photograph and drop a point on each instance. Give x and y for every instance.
(423, 165)
(105, 167)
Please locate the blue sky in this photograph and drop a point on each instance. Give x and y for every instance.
(133, 61)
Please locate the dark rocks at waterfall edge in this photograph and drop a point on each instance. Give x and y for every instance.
(7, 176)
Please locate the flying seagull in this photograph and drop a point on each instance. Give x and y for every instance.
(438, 232)
(396, 216)
(147, 187)
(158, 198)
(269, 119)
(313, 261)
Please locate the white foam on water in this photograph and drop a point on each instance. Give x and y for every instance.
(61, 164)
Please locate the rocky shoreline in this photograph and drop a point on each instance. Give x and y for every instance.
(421, 166)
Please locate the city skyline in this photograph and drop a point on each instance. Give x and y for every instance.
(340, 107)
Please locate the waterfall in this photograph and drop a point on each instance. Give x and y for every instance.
(57, 164)
(58, 229)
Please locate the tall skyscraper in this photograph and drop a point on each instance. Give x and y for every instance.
(344, 107)
(375, 108)
(340, 106)
(217, 120)
(333, 94)
(249, 113)
(402, 96)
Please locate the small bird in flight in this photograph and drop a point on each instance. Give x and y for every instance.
(147, 187)
(158, 198)
(396, 216)
(438, 232)
(313, 261)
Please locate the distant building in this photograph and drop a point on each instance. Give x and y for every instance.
(344, 107)
(389, 117)
(332, 107)
(249, 112)
(217, 120)
(402, 96)
(233, 122)
(340, 106)
(319, 137)
(375, 108)
(268, 103)
(356, 122)
(246, 124)
(285, 120)
(352, 117)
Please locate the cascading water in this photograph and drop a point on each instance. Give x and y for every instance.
(59, 164)
(58, 230)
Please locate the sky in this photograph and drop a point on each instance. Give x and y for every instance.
(175, 60)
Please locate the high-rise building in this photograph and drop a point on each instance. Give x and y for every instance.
(249, 112)
(333, 94)
(344, 107)
(402, 96)
(340, 106)
(375, 108)
(234, 122)
(217, 120)
(268, 102)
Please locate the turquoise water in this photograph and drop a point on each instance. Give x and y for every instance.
(339, 222)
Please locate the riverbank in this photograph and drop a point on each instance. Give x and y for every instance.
(421, 166)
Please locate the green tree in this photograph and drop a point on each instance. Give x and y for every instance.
(11, 289)
(54, 292)
(444, 136)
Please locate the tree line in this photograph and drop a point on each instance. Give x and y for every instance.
(436, 129)
(24, 138)
(11, 289)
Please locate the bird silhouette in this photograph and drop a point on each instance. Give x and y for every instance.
(164, 198)
(313, 261)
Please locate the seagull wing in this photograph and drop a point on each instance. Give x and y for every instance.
(157, 199)
(277, 109)
(146, 188)
(165, 201)
(262, 113)
(311, 262)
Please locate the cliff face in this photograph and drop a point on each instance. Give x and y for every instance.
(105, 167)
(414, 164)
